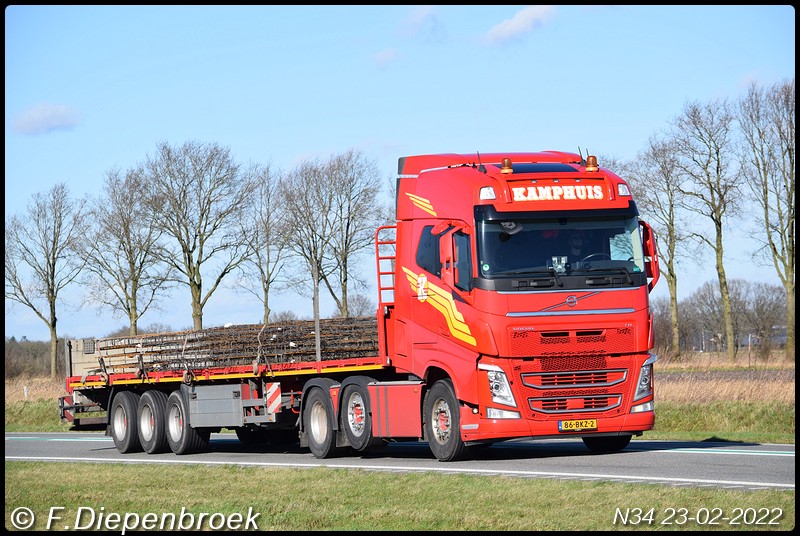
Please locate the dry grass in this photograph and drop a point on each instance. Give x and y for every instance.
(36, 388)
(711, 377)
(698, 390)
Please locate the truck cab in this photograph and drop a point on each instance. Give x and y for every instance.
(536, 336)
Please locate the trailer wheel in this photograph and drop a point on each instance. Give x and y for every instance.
(442, 422)
(124, 427)
(356, 417)
(318, 421)
(153, 422)
(182, 438)
(606, 445)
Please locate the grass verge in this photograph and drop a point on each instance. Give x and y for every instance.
(336, 499)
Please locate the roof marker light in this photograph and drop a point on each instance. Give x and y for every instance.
(623, 190)
(487, 192)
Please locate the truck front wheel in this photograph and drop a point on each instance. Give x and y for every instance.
(318, 420)
(181, 437)
(124, 428)
(442, 422)
(153, 422)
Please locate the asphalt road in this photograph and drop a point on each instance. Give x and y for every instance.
(679, 463)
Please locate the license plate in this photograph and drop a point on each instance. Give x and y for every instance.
(577, 426)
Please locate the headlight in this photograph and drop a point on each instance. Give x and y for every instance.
(498, 385)
(644, 386)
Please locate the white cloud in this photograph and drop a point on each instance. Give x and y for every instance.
(522, 23)
(44, 118)
(423, 22)
(384, 57)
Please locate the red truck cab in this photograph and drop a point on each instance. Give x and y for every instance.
(530, 334)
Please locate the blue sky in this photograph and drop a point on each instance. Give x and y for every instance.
(93, 88)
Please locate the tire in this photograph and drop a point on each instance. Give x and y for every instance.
(182, 438)
(605, 445)
(152, 414)
(318, 421)
(356, 417)
(443, 422)
(124, 426)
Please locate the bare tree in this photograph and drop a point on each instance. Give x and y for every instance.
(703, 313)
(266, 232)
(767, 119)
(656, 181)
(285, 316)
(358, 305)
(120, 254)
(40, 259)
(355, 187)
(309, 206)
(703, 148)
(198, 197)
(761, 307)
(662, 328)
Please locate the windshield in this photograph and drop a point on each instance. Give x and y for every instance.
(559, 245)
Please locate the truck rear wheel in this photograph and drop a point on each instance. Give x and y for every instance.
(607, 444)
(443, 422)
(182, 438)
(356, 417)
(124, 429)
(318, 421)
(152, 412)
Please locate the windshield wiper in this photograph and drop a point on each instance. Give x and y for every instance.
(549, 270)
(555, 276)
(619, 269)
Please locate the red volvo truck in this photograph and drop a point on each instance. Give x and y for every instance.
(513, 302)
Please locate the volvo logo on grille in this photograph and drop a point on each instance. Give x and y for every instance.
(571, 301)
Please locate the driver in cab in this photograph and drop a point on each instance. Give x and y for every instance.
(578, 247)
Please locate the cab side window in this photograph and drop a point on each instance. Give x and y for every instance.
(428, 252)
(463, 262)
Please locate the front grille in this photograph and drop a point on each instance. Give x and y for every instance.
(586, 378)
(556, 386)
(569, 404)
(570, 343)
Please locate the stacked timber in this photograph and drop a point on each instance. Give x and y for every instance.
(245, 344)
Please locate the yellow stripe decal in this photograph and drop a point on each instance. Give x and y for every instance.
(443, 302)
(422, 203)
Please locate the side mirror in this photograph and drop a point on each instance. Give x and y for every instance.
(651, 266)
(441, 227)
(447, 258)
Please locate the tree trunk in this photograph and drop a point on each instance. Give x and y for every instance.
(727, 314)
(197, 308)
(790, 331)
(673, 313)
(53, 353)
(317, 338)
